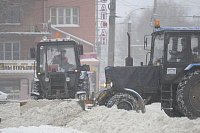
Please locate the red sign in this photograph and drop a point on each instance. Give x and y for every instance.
(104, 24)
(88, 56)
(103, 8)
(103, 33)
(103, 15)
(103, 40)
(103, 1)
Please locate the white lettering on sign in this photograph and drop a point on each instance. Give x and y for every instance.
(171, 70)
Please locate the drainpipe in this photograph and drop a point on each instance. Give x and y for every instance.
(44, 12)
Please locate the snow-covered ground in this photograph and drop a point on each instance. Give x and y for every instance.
(67, 117)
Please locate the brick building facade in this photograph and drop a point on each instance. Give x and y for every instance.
(23, 23)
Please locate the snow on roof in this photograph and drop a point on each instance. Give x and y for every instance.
(89, 60)
(16, 71)
(178, 29)
(24, 33)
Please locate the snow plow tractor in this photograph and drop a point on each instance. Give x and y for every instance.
(171, 76)
(59, 74)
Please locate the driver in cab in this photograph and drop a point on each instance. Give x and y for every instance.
(62, 61)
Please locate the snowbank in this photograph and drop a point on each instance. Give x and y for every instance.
(40, 129)
(113, 120)
(71, 118)
(42, 112)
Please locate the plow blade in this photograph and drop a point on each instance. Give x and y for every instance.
(86, 104)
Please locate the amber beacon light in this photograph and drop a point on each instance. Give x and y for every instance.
(157, 24)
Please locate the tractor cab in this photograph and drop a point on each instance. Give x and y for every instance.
(58, 57)
(174, 49)
(58, 70)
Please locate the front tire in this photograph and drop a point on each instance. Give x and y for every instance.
(188, 95)
(123, 101)
(34, 97)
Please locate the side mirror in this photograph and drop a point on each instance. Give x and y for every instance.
(32, 52)
(145, 41)
(85, 68)
(80, 49)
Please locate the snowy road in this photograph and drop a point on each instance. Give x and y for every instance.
(60, 117)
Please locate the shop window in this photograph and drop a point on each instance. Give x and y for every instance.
(9, 50)
(11, 87)
(65, 16)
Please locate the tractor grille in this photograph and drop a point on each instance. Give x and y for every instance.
(57, 80)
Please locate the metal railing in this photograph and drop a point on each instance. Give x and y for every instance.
(37, 28)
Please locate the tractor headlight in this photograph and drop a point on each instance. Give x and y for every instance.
(39, 73)
(104, 85)
(108, 86)
(46, 79)
(67, 79)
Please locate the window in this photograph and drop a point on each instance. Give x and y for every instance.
(11, 87)
(158, 48)
(177, 49)
(10, 13)
(65, 16)
(195, 49)
(9, 51)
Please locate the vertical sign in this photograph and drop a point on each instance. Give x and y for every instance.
(103, 22)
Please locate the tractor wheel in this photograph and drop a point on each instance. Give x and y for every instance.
(34, 97)
(188, 95)
(123, 101)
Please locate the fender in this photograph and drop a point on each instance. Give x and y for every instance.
(191, 66)
(140, 99)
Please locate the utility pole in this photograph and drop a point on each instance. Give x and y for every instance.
(111, 41)
(153, 18)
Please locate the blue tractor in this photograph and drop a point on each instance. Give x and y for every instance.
(171, 76)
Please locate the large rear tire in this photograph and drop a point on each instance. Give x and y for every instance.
(123, 101)
(188, 95)
(173, 113)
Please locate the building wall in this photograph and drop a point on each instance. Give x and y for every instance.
(86, 28)
(23, 33)
(26, 42)
(31, 21)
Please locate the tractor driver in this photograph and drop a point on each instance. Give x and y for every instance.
(181, 54)
(62, 61)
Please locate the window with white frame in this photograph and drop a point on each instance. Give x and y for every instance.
(65, 16)
(9, 50)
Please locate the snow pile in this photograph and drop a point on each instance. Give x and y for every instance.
(42, 112)
(113, 120)
(40, 129)
(72, 119)
(9, 112)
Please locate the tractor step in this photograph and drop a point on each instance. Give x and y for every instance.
(166, 91)
(166, 100)
(167, 108)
